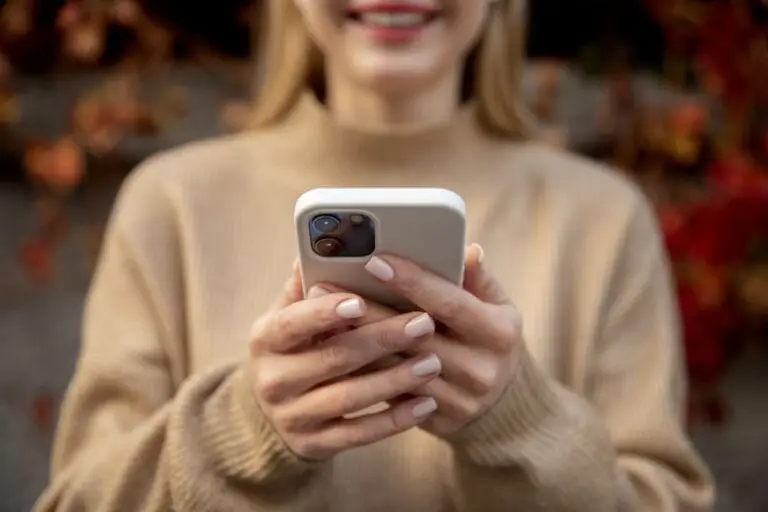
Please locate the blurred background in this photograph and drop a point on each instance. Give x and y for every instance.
(672, 92)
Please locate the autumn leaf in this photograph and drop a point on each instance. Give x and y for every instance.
(85, 41)
(67, 165)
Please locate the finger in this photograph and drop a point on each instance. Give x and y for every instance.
(357, 394)
(446, 302)
(454, 402)
(472, 368)
(292, 290)
(344, 434)
(374, 313)
(478, 281)
(347, 352)
(285, 329)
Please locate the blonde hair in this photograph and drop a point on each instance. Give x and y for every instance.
(290, 62)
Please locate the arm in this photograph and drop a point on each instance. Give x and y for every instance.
(134, 433)
(541, 447)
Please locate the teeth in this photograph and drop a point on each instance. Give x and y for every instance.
(393, 19)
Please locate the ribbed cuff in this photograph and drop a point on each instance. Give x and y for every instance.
(254, 451)
(528, 405)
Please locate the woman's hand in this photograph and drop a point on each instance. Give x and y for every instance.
(296, 379)
(479, 348)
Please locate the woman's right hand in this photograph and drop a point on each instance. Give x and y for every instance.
(307, 388)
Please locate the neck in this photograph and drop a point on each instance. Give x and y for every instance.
(365, 110)
(323, 146)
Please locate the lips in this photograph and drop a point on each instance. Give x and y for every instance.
(393, 15)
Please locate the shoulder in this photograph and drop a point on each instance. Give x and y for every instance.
(586, 191)
(170, 183)
(174, 170)
(583, 179)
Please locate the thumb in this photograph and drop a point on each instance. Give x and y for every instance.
(478, 281)
(293, 290)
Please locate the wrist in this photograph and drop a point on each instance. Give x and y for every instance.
(262, 455)
(526, 405)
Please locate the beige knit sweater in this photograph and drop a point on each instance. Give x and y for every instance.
(160, 417)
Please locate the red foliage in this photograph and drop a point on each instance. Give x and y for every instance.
(59, 166)
(711, 244)
(727, 54)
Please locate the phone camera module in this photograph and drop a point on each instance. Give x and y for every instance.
(344, 234)
(328, 247)
(325, 224)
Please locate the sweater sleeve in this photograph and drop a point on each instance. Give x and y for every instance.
(623, 445)
(136, 433)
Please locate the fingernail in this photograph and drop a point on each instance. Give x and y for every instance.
(480, 252)
(351, 308)
(316, 292)
(422, 325)
(428, 366)
(380, 269)
(424, 408)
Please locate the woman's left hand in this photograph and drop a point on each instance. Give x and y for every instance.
(480, 345)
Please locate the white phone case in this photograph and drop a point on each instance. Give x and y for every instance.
(426, 225)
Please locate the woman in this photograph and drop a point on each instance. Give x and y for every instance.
(173, 408)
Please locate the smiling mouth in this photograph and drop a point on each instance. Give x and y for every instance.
(394, 16)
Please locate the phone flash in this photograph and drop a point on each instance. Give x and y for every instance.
(356, 219)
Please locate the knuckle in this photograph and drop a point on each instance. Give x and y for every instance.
(308, 447)
(466, 407)
(258, 330)
(484, 382)
(388, 339)
(409, 282)
(450, 305)
(284, 323)
(345, 400)
(508, 328)
(288, 421)
(333, 358)
(471, 408)
(270, 387)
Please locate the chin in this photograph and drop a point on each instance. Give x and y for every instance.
(388, 83)
(394, 75)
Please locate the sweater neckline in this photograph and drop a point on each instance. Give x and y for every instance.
(321, 140)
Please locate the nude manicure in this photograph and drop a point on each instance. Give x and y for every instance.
(351, 308)
(316, 292)
(428, 366)
(380, 269)
(424, 408)
(480, 252)
(422, 325)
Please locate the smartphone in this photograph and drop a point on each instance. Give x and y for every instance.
(339, 229)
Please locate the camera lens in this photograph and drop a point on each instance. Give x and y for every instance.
(328, 247)
(325, 223)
